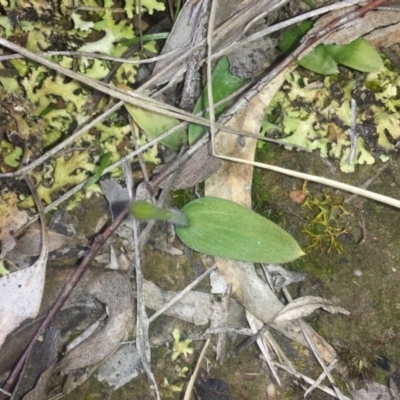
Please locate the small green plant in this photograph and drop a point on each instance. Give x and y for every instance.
(225, 229)
(180, 347)
(358, 54)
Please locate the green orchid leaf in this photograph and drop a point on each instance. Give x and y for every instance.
(290, 39)
(359, 55)
(320, 61)
(226, 229)
(223, 84)
(155, 124)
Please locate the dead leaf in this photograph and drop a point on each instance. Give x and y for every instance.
(379, 27)
(372, 391)
(21, 294)
(198, 168)
(112, 289)
(304, 306)
(195, 307)
(38, 367)
(11, 219)
(298, 196)
(121, 367)
(30, 243)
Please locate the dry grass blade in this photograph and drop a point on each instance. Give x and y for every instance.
(182, 293)
(328, 307)
(262, 344)
(319, 179)
(311, 381)
(192, 380)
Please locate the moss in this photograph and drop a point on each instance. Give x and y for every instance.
(328, 219)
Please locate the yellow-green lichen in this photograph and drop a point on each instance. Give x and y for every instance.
(180, 347)
(313, 113)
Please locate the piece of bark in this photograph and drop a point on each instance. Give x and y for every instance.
(198, 168)
(232, 18)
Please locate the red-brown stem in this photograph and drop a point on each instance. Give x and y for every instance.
(63, 296)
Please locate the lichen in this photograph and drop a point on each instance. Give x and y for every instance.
(49, 106)
(311, 113)
(180, 347)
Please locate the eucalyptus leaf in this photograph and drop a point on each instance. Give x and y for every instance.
(223, 83)
(226, 229)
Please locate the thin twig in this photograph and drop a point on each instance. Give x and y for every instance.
(142, 321)
(367, 183)
(209, 71)
(182, 293)
(352, 132)
(320, 179)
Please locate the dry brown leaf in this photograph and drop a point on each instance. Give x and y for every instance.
(379, 27)
(112, 289)
(30, 243)
(304, 306)
(11, 219)
(21, 293)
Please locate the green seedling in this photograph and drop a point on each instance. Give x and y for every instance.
(225, 229)
(144, 211)
(104, 163)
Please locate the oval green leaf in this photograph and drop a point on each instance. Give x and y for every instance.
(155, 124)
(359, 55)
(320, 61)
(226, 229)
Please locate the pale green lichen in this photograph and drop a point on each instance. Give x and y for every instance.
(51, 105)
(387, 124)
(314, 114)
(170, 390)
(64, 172)
(180, 347)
